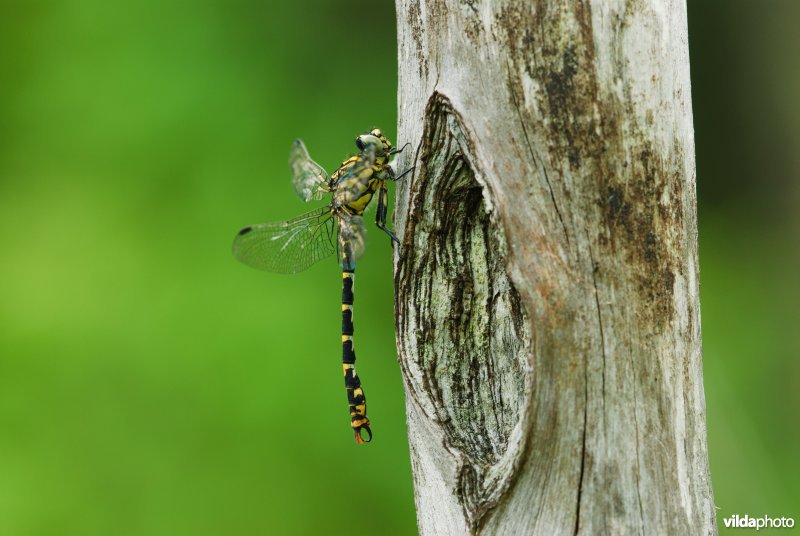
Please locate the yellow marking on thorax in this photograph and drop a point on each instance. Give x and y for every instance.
(344, 167)
(360, 205)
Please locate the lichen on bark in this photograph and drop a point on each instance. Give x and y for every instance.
(468, 363)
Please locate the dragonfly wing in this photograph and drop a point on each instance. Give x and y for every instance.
(352, 240)
(353, 182)
(309, 179)
(288, 247)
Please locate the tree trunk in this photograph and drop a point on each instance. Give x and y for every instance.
(546, 288)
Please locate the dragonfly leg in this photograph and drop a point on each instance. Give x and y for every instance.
(380, 213)
(403, 174)
(398, 151)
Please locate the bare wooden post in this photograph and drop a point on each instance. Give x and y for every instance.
(547, 306)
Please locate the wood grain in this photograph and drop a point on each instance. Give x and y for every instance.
(546, 287)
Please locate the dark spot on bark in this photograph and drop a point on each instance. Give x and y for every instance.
(650, 245)
(639, 225)
(471, 5)
(639, 198)
(617, 210)
(417, 33)
(536, 36)
(473, 28)
(619, 505)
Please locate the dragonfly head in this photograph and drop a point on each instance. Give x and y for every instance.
(374, 138)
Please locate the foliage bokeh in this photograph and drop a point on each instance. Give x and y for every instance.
(149, 384)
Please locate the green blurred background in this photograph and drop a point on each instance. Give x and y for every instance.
(150, 385)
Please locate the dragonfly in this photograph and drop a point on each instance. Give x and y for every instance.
(294, 245)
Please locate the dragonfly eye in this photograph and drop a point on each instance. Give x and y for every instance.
(359, 144)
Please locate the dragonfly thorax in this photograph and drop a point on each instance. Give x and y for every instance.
(356, 181)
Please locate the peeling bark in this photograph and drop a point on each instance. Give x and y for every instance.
(546, 287)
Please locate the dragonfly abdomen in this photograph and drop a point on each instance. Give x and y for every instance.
(352, 383)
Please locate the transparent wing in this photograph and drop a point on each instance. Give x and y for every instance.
(353, 182)
(309, 179)
(288, 247)
(352, 240)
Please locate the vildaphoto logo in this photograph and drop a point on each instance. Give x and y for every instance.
(746, 522)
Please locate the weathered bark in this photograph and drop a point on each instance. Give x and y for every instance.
(547, 305)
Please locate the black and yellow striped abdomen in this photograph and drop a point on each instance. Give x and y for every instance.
(355, 394)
